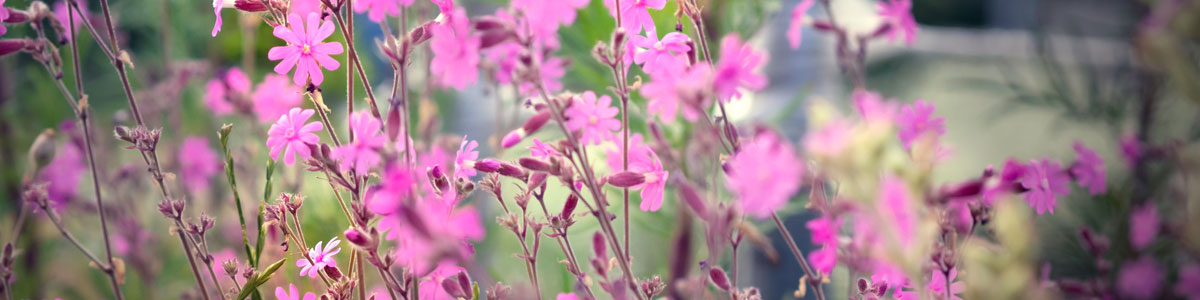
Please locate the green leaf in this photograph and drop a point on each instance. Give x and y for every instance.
(251, 286)
(266, 197)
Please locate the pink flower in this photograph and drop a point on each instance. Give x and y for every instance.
(656, 178)
(305, 7)
(441, 230)
(764, 174)
(63, 173)
(274, 97)
(824, 259)
(824, 229)
(896, 205)
(282, 294)
(541, 150)
(4, 15)
(217, 5)
(445, 6)
(197, 163)
(659, 54)
(219, 259)
(1011, 174)
(362, 154)
(1131, 149)
(873, 108)
(937, 285)
(1089, 170)
(551, 73)
(797, 22)
(678, 90)
(736, 70)
(594, 117)
(635, 14)
(1046, 181)
(546, 16)
(566, 296)
(455, 51)
(464, 159)
(378, 9)
(613, 152)
(306, 49)
(1140, 279)
(1188, 285)
(917, 120)
(321, 257)
(61, 11)
(898, 15)
(220, 90)
(829, 140)
(1143, 226)
(291, 135)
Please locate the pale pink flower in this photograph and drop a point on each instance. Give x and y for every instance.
(566, 296)
(274, 97)
(937, 285)
(897, 209)
(378, 9)
(873, 108)
(656, 178)
(659, 54)
(829, 140)
(546, 16)
(217, 5)
(613, 151)
(219, 259)
(504, 56)
(596, 118)
(431, 284)
(1045, 180)
(64, 173)
(61, 10)
(917, 120)
(449, 231)
(764, 174)
(305, 7)
(464, 159)
(1089, 170)
(1188, 285)
(218, 91)
(824, 230)
(796, 25)
(291, 135)
(362, 154)
(737, 69)
(197, 163)
(898, 15)
(1143, 226)
(552, 71)
(1140, 279)
(306, 49)
(678, 91)
(635, 14)
(455, 51)
(321, 257)
(282, 294)
(541, 150)
(444, 6)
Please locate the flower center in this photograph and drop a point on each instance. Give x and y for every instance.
(593, 120)
(659, 46)
(290, 133)
(306, 49)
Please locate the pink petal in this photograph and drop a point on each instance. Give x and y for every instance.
(286, 64)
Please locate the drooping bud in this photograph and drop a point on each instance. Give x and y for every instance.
(487, 166)
(511, 170)
(250, 5)
(569, 206)
(692, 198)
(536, 180)
(598, 246)
(535, 165)
(333, 272)
(358, 238)
(626, 179)
(10, 46)
(719, 278)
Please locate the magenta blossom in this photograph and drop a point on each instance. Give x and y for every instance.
(552, 71)
(659, 54)
(305, 7)
(197, 163)
(916, 121)
(222, 89)
(61, 10)
(378, 9)
(764, 174)
(1188, 285)
(1010, 176)
(656, 178)
(362, 154)
(1140, 279)
(1045, 180)
(824, 259)
(282, 294)
(448, 230)
(291, 135)
(455, 51)
(1088, 170)
(824, 230)
(1143, 226)
(635, 14)
(541, 150)
(873, 108)
(938, 284)
(444, 6)
(546, 16)
(897, 208)
(737, 69)
(274, 97)
(797, 22)
(306, 49)
(4, 15)
(566, 296)
(464, 159)
(320, 256)
(594, 117)
(678, 91)
(64, 173)
(613, 152)
(1131, 149)
(897, 14)
(217, 5)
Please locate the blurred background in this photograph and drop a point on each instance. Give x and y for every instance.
(1013, 78)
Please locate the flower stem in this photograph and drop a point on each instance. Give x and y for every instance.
(358, 65)
(814, 280)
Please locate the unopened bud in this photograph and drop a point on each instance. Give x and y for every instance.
(357, 237)
(250, 5)
(487, 166)
(718, 278)
(626, 179)
(535, 165)
(598, 246)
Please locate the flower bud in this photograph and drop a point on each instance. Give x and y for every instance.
(250, 5)
(598, 246)
(692, 198)
(535, 165)
(333, 272)
(450, 285)
(626, 179)
(511, 170)
(569, 206)
(10, 46)
(536, 180)
(487, 166)
(718, 278)
(358, 238)
(512, 138)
